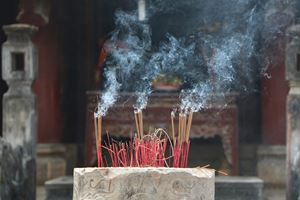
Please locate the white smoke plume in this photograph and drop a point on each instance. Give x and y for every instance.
(109, 97)
(215, 47)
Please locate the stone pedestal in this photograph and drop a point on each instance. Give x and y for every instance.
(271, 164)
(19, 66)
(271, 168)
(51, 162)
(144, 183)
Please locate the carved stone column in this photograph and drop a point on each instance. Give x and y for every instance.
(19, 58)
(293, 113)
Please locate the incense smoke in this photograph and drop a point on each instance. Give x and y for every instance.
(109, 96)
(214, 46)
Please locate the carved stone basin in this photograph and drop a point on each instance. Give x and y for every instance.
(144, 183)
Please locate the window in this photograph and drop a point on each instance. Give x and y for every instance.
(18, 62)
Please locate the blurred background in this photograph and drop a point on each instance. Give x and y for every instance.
(244, 134)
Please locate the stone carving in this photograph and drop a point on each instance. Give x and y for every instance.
(19, 66)
(143, 183)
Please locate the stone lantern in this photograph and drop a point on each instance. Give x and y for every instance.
(19, 69)
(293, 112)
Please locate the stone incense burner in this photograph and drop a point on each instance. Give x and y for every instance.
(144, 183)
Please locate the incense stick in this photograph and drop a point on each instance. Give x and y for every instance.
(188, 130)
(98, 137)
(141, 124)
(184, 127)
(173, 127)
(137, 123)
(96, 132)
(179, 128)
(99, 130)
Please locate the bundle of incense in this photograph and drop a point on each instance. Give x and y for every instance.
(182, 141)
(184, 126)
(98, 137)
(150, 151)
(138, 116)
(147, 150)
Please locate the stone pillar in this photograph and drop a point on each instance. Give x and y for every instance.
(19, 67)
(144, 183)
(293, 113)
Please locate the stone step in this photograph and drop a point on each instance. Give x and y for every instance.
(227, 188)
(60, 188)
(239, 188)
